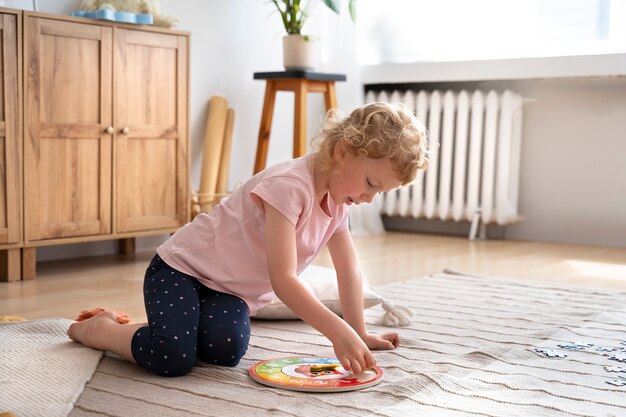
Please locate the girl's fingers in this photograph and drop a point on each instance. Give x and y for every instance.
(364, 363)
(356, 366)
(345, 362)
(384, 342)
(388, 345)
(393, 338)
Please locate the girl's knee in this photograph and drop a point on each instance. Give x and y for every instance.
(170, 367)
(230, 359)
(223, 354)
(173, 370)
(168, 359)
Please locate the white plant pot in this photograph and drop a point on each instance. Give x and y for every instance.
(300, 52)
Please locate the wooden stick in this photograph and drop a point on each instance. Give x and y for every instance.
(222, 178)
(213, 141)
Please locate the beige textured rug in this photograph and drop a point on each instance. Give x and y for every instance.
(42, 372)
(469, 351)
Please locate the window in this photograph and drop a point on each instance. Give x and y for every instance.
(402, 31)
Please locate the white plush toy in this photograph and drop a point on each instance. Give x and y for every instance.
(131, 6)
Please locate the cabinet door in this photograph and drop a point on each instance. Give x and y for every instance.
(67, 150)
(10, 143)
(150, 102)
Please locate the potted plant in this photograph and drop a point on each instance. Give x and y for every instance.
(300, 52)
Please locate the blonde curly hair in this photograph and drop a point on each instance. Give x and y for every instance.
(376, 130)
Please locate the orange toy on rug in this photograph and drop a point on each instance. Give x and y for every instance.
(122, 318)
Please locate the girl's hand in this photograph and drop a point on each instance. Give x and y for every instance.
(352, 352)
(385, 341)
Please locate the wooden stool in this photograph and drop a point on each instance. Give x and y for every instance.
(300, 82)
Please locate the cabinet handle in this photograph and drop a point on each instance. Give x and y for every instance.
(125, 130)
(110, 130)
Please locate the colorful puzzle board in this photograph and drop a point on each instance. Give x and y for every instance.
(300, 373)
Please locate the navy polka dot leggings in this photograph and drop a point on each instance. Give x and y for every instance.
(187, 320)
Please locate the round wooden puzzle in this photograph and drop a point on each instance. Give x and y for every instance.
(312, 374)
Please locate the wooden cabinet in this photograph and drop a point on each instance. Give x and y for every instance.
(105, 131)
(10, 136)
(10, 149)
(150, 97)
(68, 108)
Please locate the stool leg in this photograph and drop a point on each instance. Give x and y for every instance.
(266, 126)
(330, 97)
(300, 113)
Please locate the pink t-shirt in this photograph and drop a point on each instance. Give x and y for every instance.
(225, 249)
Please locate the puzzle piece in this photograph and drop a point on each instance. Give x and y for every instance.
(620, 357)
(551, 353)
(615, 368)
(571, 346)
(583, 343)
(606, 348)
(617, 382)
(577, 345)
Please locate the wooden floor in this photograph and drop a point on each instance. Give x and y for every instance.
(63, 288)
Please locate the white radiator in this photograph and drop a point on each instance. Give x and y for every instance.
(474, 144)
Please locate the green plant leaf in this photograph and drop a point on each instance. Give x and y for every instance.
(352, 8)
(334, 5)
(294, 16)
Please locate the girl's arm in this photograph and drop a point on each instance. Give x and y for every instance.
(350, 285)
(280, 243)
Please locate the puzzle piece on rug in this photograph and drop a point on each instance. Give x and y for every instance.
(605, 349)
(551, 353)
(620, 357)
(618, 382)
(571, 346)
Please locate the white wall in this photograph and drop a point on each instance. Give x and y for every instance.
(230, 40)
(574, 154)
(573, 169)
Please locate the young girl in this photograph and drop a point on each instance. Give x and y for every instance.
(214, 273)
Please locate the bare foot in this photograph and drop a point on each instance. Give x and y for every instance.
(85, 331)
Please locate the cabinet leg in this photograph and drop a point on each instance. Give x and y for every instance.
(29, 263)
(10, 265)
(127, 246)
